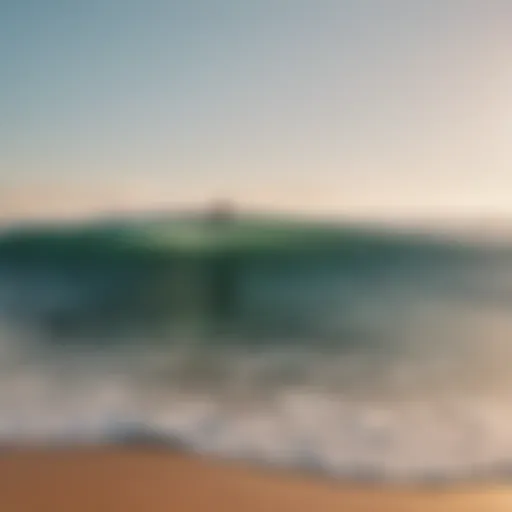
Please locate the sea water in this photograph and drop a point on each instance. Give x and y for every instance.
(393, 365)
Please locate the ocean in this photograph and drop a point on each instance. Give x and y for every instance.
(352, 352)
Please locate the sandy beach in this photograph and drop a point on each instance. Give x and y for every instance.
(144, 480)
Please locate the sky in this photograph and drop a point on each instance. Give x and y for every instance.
(363, 108)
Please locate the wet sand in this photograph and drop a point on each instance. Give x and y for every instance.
(145, 480)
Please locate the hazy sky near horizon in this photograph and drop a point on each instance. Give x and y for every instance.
(364, 107)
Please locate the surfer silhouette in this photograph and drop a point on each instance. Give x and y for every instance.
(223, 271)
(221, 212)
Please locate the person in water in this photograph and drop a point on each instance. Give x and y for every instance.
(223, 272)
(221, 212)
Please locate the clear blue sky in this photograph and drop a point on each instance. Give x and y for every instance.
(362, 107)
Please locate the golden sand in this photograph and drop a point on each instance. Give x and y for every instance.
(129, 480)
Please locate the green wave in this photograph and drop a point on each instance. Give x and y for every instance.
(157, 240)
(189, 269)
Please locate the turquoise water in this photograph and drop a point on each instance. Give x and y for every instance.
(357, 352)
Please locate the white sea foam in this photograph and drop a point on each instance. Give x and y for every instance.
(267, 407)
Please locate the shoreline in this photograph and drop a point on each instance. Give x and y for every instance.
(136, 479)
